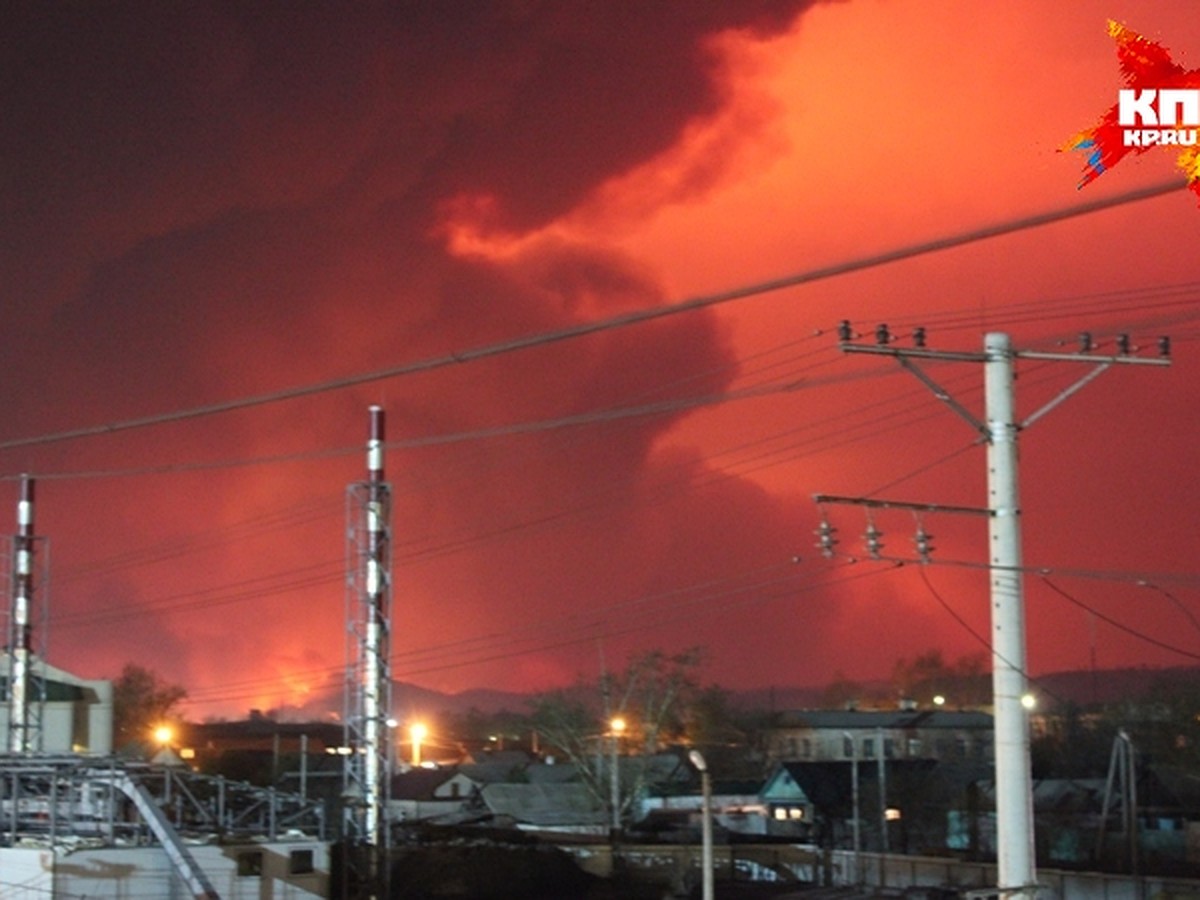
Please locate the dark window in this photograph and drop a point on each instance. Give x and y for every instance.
(300, 862)
(249, 864)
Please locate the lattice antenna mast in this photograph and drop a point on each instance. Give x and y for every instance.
(369, 688)
(25, 695)
(999, 430)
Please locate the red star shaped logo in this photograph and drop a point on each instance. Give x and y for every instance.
(1145, 66)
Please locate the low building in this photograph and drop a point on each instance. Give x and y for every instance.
(76, 826)
(430, 794)
(568, 808)
(932, 734)
(72, 714)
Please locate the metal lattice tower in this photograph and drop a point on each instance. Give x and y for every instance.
(368, 684)
(26, 690)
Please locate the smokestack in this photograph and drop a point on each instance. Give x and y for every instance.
(20, 641)
(376, 677)
(375, 447)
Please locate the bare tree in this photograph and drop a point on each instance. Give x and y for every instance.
(141, 702)
(641, 708)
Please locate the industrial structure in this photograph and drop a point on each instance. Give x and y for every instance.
(368, 683)
(25, 687)
(77, 821)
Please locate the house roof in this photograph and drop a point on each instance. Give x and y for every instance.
(828, 785)
(892, 719)
(544, 804)
(419, 784)
(327, 733)
(494, 772)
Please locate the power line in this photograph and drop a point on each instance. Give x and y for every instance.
(1163, 645)
(601, 629)
(983, 641)
(910, 251)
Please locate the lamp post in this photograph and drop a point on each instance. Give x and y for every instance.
(857, 838)
(616, 728)
(706, 834)
(417, 732)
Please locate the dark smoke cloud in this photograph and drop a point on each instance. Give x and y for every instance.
(219, 199)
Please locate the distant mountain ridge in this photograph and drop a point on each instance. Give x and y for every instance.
(1080, 686)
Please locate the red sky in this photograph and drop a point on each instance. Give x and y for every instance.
(210, 205)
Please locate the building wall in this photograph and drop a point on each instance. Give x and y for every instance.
(824, 745)
(83, 724)
(238, 872)
(80, 726)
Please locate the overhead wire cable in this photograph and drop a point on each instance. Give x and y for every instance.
(986, 643)
(1140, 635)
(611, 629)
(911, 251)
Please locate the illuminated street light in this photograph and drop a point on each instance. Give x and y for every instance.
(1029, 701)
(417, 732)
(616, 728)
(163, 735)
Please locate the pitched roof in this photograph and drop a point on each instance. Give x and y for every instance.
(419, 784)
(891, 719)
(544, 804)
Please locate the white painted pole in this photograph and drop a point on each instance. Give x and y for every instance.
(20, 732)
(1014, 786)
(855, 828)
(376, 643)
(881, 772)
(706, 825)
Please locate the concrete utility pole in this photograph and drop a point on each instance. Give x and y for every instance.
(1014, 794)
(706, 824)
(855, 828)
(881, 777)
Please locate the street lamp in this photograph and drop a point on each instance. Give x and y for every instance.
(616, 728)
(417, 732)
(854, 798)
(706, 835)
